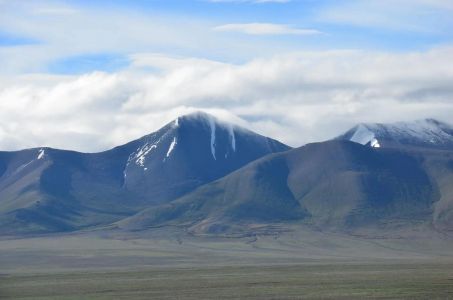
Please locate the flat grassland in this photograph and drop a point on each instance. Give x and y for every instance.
(299, 265)
(314, 281)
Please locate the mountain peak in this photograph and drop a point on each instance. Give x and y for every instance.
(212, 123)
(203, 117)
(191, 149)
(426, 132)
(199, 114)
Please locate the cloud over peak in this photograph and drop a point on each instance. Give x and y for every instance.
(297, 98)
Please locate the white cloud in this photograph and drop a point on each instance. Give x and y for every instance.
(265, 29)
(443, 4)
(55, 11)
(64, 31)
(424, 16)
(297, 98)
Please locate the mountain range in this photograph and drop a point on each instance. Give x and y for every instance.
(212, 177)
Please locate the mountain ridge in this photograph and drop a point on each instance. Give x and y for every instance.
(73, 190)
(335, 184)
(212, 177)
(420, 133)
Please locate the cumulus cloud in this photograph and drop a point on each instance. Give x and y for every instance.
(265, 29)
(297, 97)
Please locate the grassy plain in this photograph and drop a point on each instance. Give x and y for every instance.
(312, 281)
(171, 265)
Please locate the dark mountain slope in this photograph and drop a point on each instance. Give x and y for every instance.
(334, 183)
(439, 166)
(350, 184)
(54, 190)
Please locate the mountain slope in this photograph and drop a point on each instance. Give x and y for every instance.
(190, 151)
(439, 166)
(45, 189)
(54, 190)
(335, 183)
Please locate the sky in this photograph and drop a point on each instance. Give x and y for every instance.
(90, 75)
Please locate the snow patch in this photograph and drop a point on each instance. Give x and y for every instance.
(176, 122)
(142, 152)
(41, 153)
(375, 143)
(417, 132)
(212, 125)
(232, 137)
(140, 155)
(362, 135)
(172, 146)
(427, 131)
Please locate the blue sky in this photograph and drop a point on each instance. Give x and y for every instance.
(89, 75)
(345, 24)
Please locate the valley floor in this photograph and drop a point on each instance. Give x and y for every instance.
(313, 281)
(293, 265)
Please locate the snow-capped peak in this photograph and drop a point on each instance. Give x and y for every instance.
(362, 135)
(213, 123)
(427, 132)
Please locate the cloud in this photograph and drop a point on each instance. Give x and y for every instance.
(11, 40)
(92, 31)
(85, 63)
(265, 29)
(55, 11)
(423, 16)
(295, 97)
(277, 90)
(36, 44)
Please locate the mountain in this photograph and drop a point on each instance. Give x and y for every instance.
(188, 152)
(48, 190)
(208, 176)
(421, 133)
(55, 190)
(336, 184)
